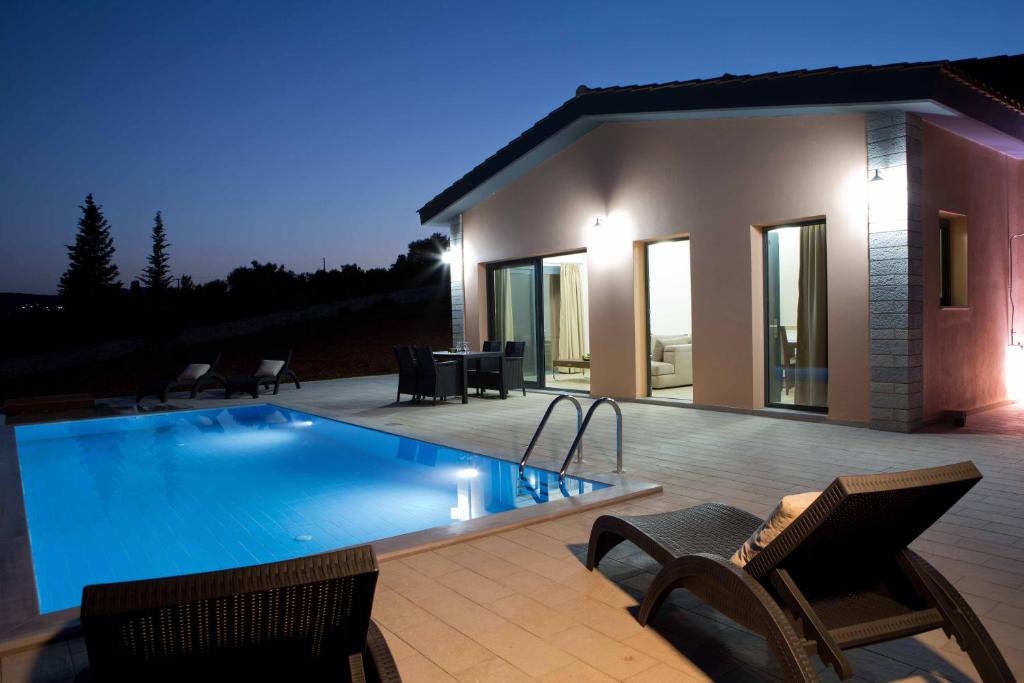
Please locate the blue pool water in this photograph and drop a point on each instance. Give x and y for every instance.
(158, 495)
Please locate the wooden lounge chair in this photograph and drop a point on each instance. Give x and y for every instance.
(272, 370)
(187, 379)
(306, 619)
(840, 576)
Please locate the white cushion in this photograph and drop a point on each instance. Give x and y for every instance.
(788, 509)
(660, 368)
(193, 372)
(660, 342)
(269, 368)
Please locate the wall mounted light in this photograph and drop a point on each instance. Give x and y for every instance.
(446, 257)
(597, 222)
(877, 177)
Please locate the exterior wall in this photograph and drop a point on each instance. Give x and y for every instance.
(718, 181)
(965, 348)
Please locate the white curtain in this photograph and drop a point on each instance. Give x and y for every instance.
(812, 319)
(571, 335)
(503, 324)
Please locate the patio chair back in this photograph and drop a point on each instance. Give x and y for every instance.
(863, 521)
(302, 619)
(491, 345)
(406, 362)
(515, 349)
(425, 369)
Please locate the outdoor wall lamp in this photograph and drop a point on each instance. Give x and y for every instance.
(446, 257)
(877, 177)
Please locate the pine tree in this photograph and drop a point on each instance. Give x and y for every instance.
(92, 274)
(157, 275)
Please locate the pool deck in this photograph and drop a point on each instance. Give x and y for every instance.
(518, 605)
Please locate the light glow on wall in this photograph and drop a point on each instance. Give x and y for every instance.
(610, 238)
(1013, 369)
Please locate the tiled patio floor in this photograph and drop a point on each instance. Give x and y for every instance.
(519, 605)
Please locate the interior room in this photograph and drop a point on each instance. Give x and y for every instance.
(796, 317)
(566, 322)
(670, 328)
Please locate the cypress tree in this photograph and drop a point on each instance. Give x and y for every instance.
(157, 275)
(92, 274)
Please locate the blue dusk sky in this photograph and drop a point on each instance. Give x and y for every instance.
(292, 132)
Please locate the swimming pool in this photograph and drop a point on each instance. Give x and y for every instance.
(157, 495)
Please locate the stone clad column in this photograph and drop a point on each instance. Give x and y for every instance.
(895, 275)
(458, 293)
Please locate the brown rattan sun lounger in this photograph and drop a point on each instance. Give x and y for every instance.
(839, 577)
(306, 619)
(161, 388)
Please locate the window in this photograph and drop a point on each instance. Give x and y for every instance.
(796, 316)
(952, 260)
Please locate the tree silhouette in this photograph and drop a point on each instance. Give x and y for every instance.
(157, 275)
(91, 275)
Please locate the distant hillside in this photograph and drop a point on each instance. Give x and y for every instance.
(13, 302)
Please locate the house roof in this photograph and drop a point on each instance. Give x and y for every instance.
(987, 91)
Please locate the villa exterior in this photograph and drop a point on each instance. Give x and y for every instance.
(843, 241)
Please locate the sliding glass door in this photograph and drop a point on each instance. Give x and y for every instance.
(796, 317)
(514, 290)
(543, 302)
(669, 324)
(566, 322)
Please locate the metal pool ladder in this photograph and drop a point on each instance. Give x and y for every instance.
(581, 428)
(577, 444)
(579, 436)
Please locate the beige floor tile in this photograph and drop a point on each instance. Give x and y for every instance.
(397, 613)
(535, 617)
(577, 672)
(399, 648)
(419, 669)
(474, 586)
(494, 670)
(663, 673)
(609, 656)
(524, 650)
(431, 564)
(446, 647)
(461, 612)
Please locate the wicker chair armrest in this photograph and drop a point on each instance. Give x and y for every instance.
(512, 361)
(734, 592)
(379, 656)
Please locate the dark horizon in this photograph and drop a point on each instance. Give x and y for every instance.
(291, 137)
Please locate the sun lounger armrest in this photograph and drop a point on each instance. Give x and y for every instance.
(734, 592)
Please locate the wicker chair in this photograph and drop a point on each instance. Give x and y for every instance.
(839, 577)
(406, 373)
(436, 380)
(160, 388)
(306, 619)
(474, 377)
(514, 379)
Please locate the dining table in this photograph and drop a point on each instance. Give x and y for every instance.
(468, 360)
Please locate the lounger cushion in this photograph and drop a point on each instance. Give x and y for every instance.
(788, 509)
(193, 372)
(269, 368)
